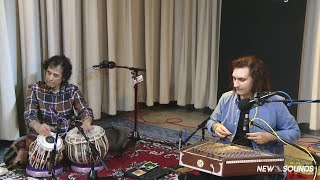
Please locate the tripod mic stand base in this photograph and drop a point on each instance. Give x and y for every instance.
(92, 175)
(135, 136)
(86, 168)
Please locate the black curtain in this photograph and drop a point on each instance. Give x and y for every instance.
(270, 29)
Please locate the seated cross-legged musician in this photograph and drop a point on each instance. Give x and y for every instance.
(45, 101)
(249, 76)
(55, 94)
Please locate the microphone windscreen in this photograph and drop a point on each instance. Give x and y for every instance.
(244, 104)
(111, 64)
(77, 123)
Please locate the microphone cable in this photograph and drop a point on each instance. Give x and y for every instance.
(285, 141)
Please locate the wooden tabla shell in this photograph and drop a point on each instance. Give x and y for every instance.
(77, 148)
(40, 150)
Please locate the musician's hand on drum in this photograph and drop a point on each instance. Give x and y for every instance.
(86, 125)
(261, 137)
(43, 129)
(221, 130)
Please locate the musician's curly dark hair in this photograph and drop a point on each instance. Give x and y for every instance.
(60, 60)
(258, 72)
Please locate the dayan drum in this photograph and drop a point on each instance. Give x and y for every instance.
(41, 149)
(77, 148)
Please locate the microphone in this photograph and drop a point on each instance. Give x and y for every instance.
(51, 168)
(105, 64)
(109, 64)
(248, 103)
(180, 140)
(77, 124)
(245, 127)
(52, 161)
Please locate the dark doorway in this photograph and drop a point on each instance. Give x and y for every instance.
(270, 29)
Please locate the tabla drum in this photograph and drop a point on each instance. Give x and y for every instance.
(78, 150)
(39, 155)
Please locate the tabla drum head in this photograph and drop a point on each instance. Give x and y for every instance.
(47, 142)
(74, 135)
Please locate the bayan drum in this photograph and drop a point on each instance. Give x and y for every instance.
(78, 150)
(39, 155)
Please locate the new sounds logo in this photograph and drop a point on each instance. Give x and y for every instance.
(302, 169)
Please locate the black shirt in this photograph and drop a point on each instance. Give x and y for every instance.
(240, 137)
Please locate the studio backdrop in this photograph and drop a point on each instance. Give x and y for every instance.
(175, 41)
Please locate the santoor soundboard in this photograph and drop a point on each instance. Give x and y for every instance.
(229, 160)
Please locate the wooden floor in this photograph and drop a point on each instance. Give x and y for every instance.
(170, 116)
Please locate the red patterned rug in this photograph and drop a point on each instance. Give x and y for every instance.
(141, 152)
(165, 156)
(310, 143)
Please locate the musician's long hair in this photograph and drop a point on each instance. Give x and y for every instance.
(258, 72)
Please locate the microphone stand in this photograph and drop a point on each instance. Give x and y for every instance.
(200, 126)
(54, 154)
(312, 155)
(135, 134)
(134, 71)
(203, 134)
(286, 101)
(94, 153)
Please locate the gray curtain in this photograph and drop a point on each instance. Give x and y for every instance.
(310, 67)
(176, 41)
